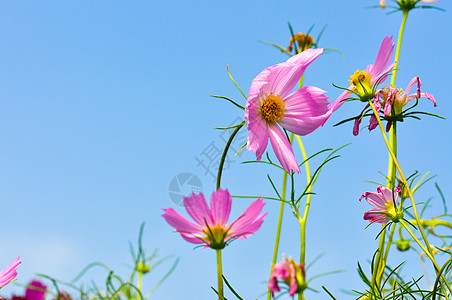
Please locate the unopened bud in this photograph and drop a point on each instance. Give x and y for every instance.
(403, 245)
(142, 268)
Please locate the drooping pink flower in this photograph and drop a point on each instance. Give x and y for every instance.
(211, 228)
(9, 273)
(36, 290)
(291, 273)
(384, 202)
(270, 103)
(394, 100)
(364, 83)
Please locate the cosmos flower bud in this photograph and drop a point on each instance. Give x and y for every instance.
(142, 268)
(403, 245)
(291, 273)
(304, 41)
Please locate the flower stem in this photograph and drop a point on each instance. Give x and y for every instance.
(278, 229)
(225, 152)
(428, 248)
(429, 255)
(399, 44)
(140, 280)
(391, 165)
(220, 275)
(385, 258)
(381, 264)
(306, 209)
(308, 202)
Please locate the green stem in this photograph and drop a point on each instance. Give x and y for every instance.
(399, 44)
(378, 261)
(278, 229)
(140, 281)
(386, 253)
(308, 202)
(220, 275)
(429, 255)
(225, 152)
(303, 220)
(391, 164)
(381, 264)
(434, 223)
(428, 251)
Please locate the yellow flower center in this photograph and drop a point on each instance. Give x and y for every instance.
(390, 209)
(361, 82)
(304, 41)
(272, 108)
(215, 237)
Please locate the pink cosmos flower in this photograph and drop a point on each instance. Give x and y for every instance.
(211, 228)
(270, 103)
(363, 83)
(36, 290)
(384, 202)
(9, 273)
(291, 273)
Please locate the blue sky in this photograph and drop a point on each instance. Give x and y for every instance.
(103, 103)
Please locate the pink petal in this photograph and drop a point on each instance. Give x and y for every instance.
(220, 204)
(356, 126)
(244, 224)
(388, 107)
(192, 238)
(306, 110)
(387, 194)
(281, 269)
(374, 217)
(258, 138)
(273, 285)
(198, 209)
(340, 100)
(293, 283)
(380, 78)
(9, 273)
(429, 97)
(36, 290)
(309, 100)
(424, 95)
(248, 229)
(388, 126)
(383, 59)
(410, 85)
(258, 84)
(283, 77)
(373, 123)
(374, 199)
(179, 222)
(282, 148)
